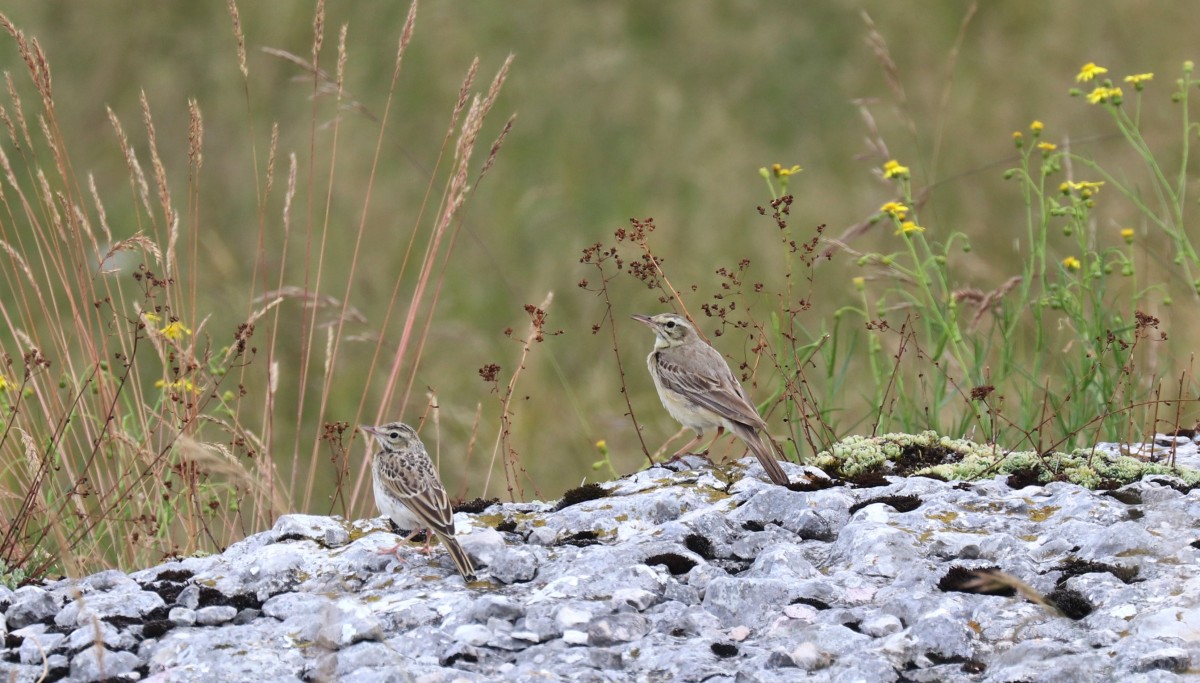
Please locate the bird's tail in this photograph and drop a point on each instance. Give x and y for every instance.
(764, 453)
(461, 561)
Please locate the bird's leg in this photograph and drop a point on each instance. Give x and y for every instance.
(687, 448)
(427, 551)
(720, 431)
(395, 550)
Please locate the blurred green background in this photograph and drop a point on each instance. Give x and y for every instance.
(629, 109)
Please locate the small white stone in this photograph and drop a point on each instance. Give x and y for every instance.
(573, 636)
(569, 616)
(472, 634)
(802, 612)
(182, 616)
(808, 657)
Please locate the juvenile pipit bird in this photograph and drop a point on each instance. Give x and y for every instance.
(408, 490)
(699, 390)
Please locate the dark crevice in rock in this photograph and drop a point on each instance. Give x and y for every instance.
(174, 575)
(980, 580)
(699, 545)
(1072, 604)
(811, 602)
(973, 666)
(1078, 567)
(676, 564)
(474, 507)
(580, 539)
(868, 480)
(154, 629)
(1023, 478)
(724, 650)
(1129, 496)
(900, 503)
(814, 484)
(581, 494)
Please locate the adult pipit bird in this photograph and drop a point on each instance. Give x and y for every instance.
(408, 490)
(699, 390)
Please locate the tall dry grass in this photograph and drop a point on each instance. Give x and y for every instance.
(140, 421)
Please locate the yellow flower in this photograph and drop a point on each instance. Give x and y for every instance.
(1071, 263)
(1127, 235)
(907, 227)
(893, 169)
(1047, 146)
(1085, 188)
(1088, 72)
(1139, 80)
(895, 210)
(175, 330)
(1103, 94)
(5, 385)
(602, 444)
(1036, 126)
(152, 318)
(859, 282)
(780, 172)
(178, 385)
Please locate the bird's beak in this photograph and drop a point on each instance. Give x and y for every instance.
(644, 319)
(373, 431)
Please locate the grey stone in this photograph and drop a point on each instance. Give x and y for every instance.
(637, 599)
(95, 664)
(332, 532)
(347, 621)
(943, 634)
(131, 604)
(1173, 659)
(182, 616)
(101, 631)
(513, 565)
(109, 580)
(745, 602)
(246, 616)
(496, 607)
(215, 614)
(189, 597)
(472, 634)
(616, 628)
(30, 604)
(37, 644)
(881, 625)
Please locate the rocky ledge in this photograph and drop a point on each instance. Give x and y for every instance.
(704, 574)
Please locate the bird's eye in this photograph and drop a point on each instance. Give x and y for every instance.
(394, 435)
(670, 324)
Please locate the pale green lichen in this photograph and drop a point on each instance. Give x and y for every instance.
(856, 455)
(969, 461)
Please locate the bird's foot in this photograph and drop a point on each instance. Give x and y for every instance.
(394, 551)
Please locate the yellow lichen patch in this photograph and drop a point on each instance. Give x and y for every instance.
(1043, 513)
(974, 626)
(1134, 552)
(944, 517)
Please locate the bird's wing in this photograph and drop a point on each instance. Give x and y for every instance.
(709, 383)
(423, 494)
